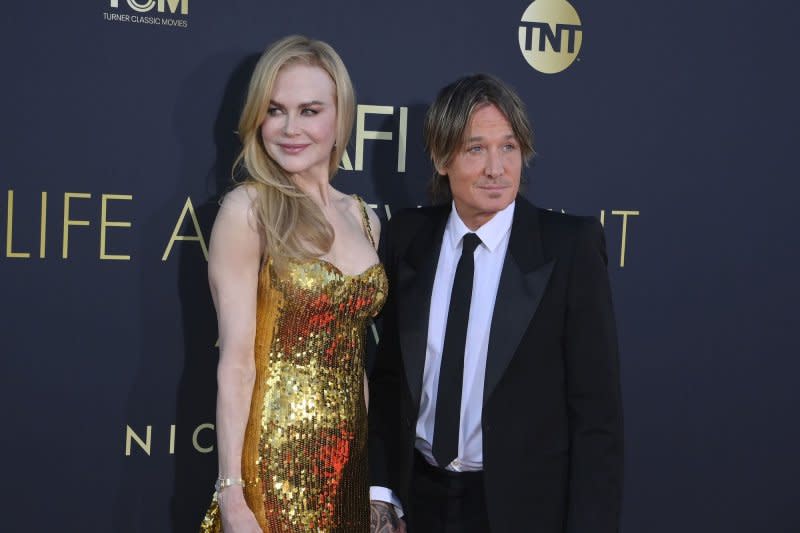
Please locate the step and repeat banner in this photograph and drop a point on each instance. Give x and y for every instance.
(674, 124)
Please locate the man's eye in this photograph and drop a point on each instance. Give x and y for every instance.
(474, 149)
(510, 147)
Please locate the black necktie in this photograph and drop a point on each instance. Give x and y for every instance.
(451, 372)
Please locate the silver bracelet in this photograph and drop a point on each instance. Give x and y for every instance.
(224, 482)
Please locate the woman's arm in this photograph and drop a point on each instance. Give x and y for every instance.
(233, 266)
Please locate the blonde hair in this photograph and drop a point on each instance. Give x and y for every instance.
(448, 117)
(292, 225)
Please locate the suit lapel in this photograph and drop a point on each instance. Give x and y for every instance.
(415, 273)
(522, 283)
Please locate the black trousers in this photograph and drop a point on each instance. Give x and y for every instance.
(446, 502)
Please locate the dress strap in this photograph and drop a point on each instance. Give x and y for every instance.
(365, 219)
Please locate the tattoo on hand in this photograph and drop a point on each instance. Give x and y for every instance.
(382, 518)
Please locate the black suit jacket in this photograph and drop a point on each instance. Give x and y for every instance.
(552, 420)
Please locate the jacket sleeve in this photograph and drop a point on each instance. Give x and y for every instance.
(593, 390)
(385, 380)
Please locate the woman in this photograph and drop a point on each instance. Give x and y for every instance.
(295, 277)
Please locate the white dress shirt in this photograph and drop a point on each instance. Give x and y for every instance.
(489, 257)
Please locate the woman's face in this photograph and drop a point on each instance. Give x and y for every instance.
(299, 129)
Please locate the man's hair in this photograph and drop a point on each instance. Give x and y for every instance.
(448, 117)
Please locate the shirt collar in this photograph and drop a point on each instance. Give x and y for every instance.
(491, 233)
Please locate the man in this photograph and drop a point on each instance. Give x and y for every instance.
(495, 398)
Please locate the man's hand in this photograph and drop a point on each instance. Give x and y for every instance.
(383, 518)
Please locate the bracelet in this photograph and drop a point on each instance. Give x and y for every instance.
(225, 482)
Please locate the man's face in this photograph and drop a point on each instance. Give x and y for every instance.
(484, 174)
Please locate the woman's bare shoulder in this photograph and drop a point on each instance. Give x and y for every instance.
(240, 197)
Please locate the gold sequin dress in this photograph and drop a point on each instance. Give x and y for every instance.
(304, 459)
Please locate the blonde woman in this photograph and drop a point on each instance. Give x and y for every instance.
(295, 277)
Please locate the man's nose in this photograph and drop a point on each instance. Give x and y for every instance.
(494, 164)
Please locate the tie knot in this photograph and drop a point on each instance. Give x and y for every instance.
(469, 243)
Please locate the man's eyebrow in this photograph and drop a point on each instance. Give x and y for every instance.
(480, 138)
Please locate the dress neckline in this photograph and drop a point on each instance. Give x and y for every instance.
(330, 266)
(339, 270)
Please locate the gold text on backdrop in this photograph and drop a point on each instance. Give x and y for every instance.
(101, 216)
(146, 443)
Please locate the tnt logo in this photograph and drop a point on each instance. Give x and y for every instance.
(550, 35)
(161, 6)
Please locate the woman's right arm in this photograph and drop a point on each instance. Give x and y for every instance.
(233, 265)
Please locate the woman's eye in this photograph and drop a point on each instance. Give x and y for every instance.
(272, 111)
(309, 112)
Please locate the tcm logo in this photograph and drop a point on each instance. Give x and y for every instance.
(550, 35)
(161, 6)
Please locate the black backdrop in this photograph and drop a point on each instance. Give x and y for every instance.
(676, 124)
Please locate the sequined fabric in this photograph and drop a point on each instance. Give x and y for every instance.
(304, 458)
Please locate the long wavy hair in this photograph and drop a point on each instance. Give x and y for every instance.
(291, 224)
